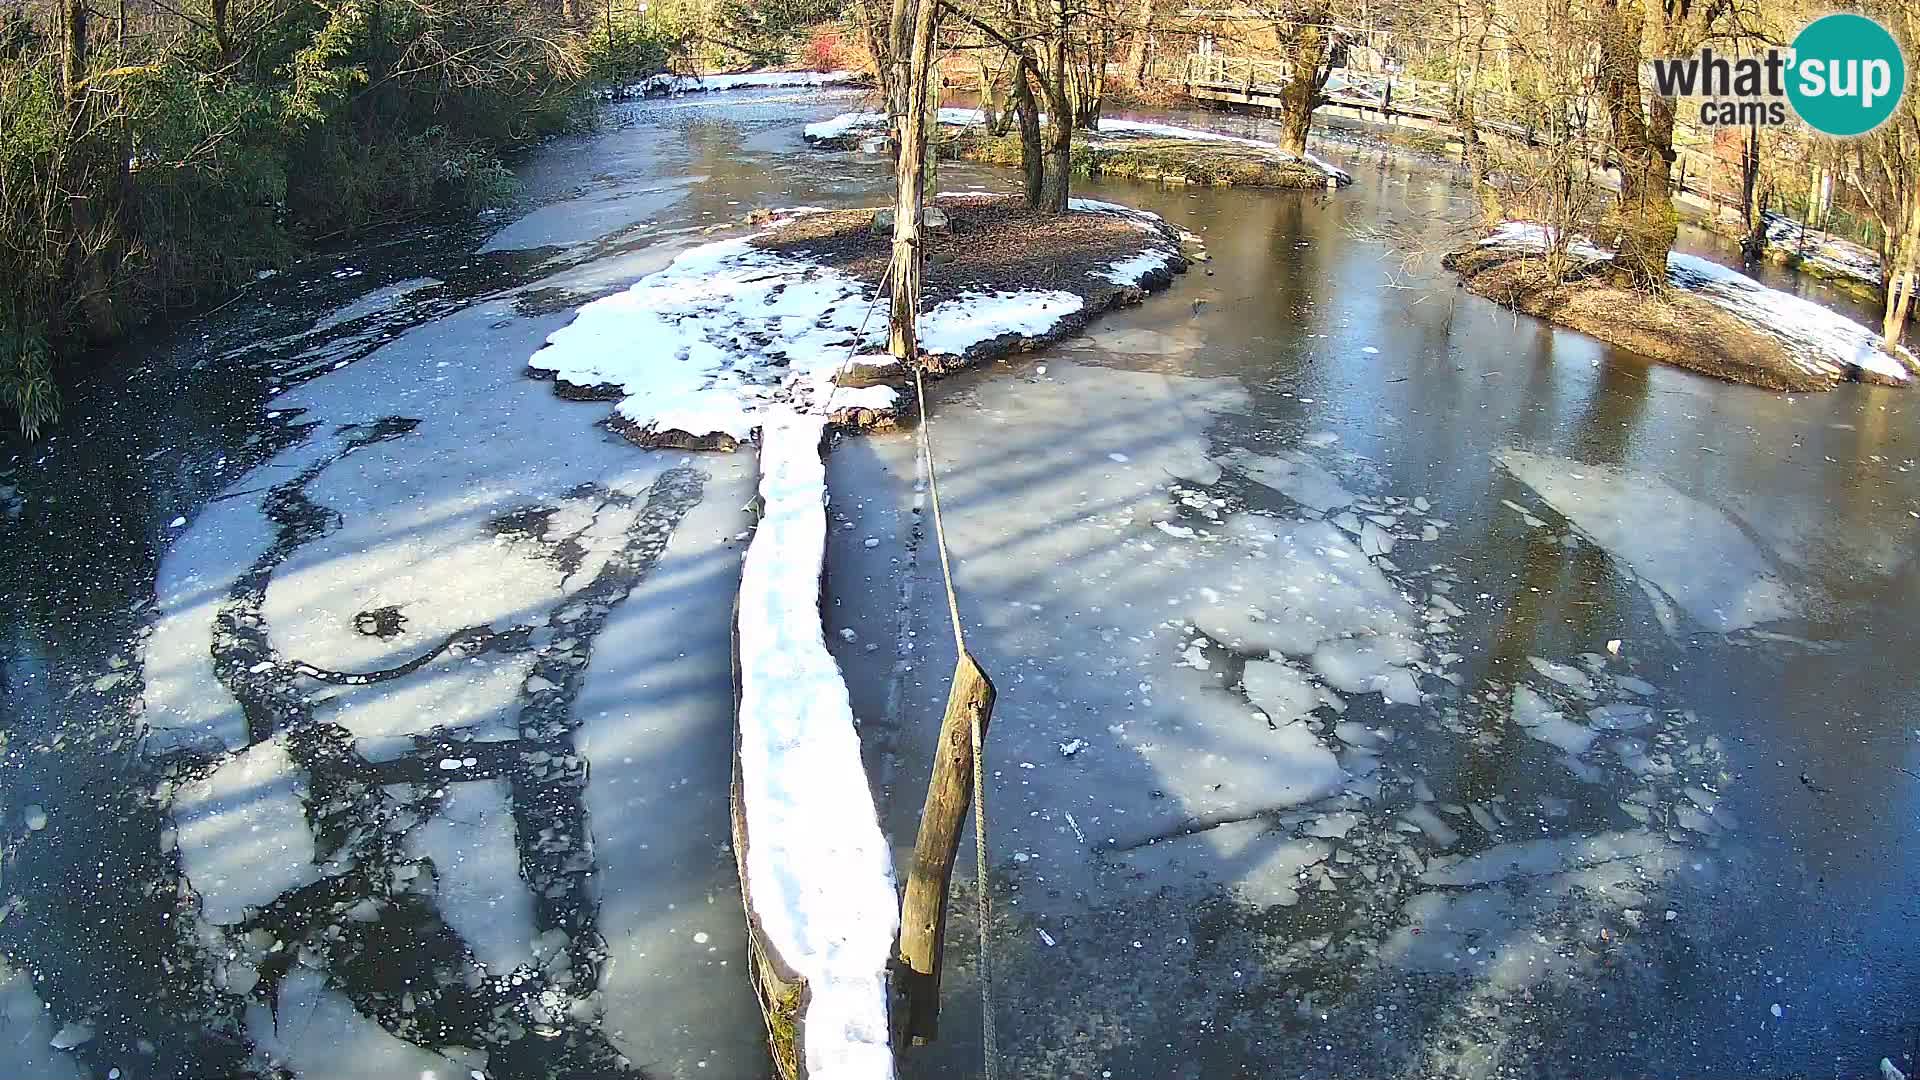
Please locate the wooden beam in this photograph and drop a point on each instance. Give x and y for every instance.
(923, 912)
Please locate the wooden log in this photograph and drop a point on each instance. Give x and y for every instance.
(923, 911)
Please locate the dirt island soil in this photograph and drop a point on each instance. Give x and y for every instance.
(994, 244)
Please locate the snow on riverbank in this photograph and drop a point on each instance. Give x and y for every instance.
(1821, 252)
(731, 332)
(873, 123)
(818, 873)
(663, 84)
(1822, 342)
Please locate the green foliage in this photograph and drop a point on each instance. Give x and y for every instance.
(191, 161)
(628, 46)
(27, 388)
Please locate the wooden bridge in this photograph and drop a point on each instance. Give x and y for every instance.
(1385, 95)
(1423, 103)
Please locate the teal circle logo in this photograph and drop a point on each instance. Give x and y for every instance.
(1847, 75)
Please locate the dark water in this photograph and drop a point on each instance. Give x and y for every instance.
(1304, 309)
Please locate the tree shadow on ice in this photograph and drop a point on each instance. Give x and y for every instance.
(1139, 934)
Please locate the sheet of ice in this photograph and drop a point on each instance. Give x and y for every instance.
(1373, 663)
(243, 832)
(185, 702)
(1279, 689)
(1823, 341)
(27, 1032)
(954, 326)
(1551, 726)
(1294, 475)
(1564, 674)
(818, 869)
(319, 1034)
(656, 715)
(481, 892)
(1621, 717)
(1530, 858)
(1319, 588)
(1215, 759)
(1252, 857)
(1679, 548)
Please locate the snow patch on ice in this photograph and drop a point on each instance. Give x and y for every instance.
(680, 345)
(317, 1032)
(818, 870)
(243, 832)
(1678, 548)
(481, 893)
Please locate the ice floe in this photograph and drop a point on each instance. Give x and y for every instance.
(1661, 536)
(242, 832)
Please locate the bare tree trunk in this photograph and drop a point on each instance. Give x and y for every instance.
(1467, 118)
(1753, 197)
(910, 191)
(1055, 192)
(1301, 94)
(1902, 272)
(1033, 165)
(222, 30)
(1142, 42)
(1647, 223)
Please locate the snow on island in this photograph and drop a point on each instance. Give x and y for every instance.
(667, 84)
(697, 355)
(848, 129)
(1821, 253)
(814, 866)
(1821, 342)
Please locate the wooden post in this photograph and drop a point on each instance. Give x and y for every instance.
(910, 190)
(923, 912)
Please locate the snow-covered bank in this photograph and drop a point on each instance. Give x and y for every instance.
(816, 870)
(1822, 344)
(847, 129)
(698, 353)
(1821, 253)
(665, 84)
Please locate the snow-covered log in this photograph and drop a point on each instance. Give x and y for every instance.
(815, 872)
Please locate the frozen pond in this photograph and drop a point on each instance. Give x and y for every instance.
(1388, 686)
